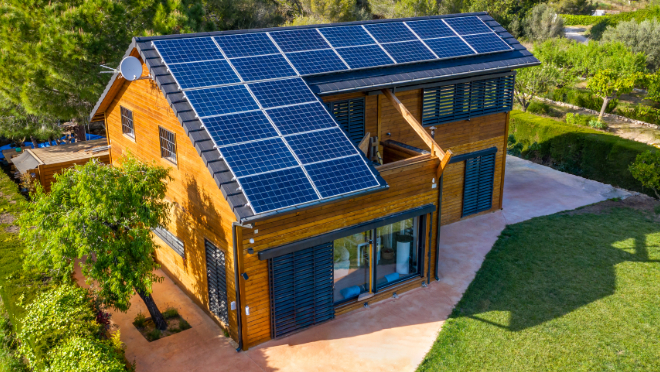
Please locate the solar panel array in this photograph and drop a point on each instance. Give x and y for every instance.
(277, 138)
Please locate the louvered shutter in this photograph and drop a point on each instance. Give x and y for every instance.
(301, 289)
(478, 189)
(217, 281)
(466, 100)
(350, 116)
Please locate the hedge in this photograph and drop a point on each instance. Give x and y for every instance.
(578, 150)
(611, 19)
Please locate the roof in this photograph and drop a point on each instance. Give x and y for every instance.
(71, 151)
(315, 68)
(25, 162)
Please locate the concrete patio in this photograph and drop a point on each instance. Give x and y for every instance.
(393, 335)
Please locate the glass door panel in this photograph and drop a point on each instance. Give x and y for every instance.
(396, 252)
(351, 266)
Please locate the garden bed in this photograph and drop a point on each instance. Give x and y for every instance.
(147, 327)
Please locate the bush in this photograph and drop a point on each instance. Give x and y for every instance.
(594, 123)
(638, 37)
(53, 318)
(613, 19)
(170, 313)
(580, 119)
(646, 169)
(542, 23)
(640, 112)
(183, 325)
(10, 361)
(542, 108)
(140, 320)
(575, 7)
(581, 99)
(153, 335)
(583, 151)
(86, 355)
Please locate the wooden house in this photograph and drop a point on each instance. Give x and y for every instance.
(313, 166)
(43, 163)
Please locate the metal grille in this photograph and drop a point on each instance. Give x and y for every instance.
(301, 289)
(466, 100)
(127, 122)
(478, 190)
(216, 275)
(175, 243)
(350, 116)
(167, 145)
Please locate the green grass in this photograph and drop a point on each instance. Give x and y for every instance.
(561, 293)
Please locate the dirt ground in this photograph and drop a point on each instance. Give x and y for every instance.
(638, 202)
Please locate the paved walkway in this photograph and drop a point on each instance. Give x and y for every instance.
(393, 335)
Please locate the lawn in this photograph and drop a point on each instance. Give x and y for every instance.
(567, 292)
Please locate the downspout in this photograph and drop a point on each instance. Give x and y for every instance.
(437, 248)
(239, 324)
(428, 276)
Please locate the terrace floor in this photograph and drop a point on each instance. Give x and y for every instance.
(393, 335)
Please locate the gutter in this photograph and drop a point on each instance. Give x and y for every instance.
(239, 324)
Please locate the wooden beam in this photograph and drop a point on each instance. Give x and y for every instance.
(364, 144)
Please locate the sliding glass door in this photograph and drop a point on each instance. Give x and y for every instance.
(397, 253)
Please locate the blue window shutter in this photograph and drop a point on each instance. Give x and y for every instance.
(301, 286)
(478, 187)
(216, 275)
(350, 116)
(466, 100)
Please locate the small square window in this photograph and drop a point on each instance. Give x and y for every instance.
(127, 122)
(167, 144)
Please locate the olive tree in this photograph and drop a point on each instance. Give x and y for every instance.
(610, 84)
(103, 216)
(534, 81)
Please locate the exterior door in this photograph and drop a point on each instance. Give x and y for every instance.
(217, 281)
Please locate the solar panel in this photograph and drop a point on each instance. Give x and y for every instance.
(187, 50)
(365, 56)
(242, 127)
(312, 147)
(299, 40)
(203, 74)
(246, 45)
(409, 51)
(390, 32)
(301, 118)
(282, 92)
(276, 190)
(258, 157)
(467, 25)
(221, 100)
(449, 47)
(316, 61)
(263, 67)
(487, 43)
(341, 176)
(346, 36)
(430, 29)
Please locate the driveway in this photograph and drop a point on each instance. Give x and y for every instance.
(576, 33)
(393, 335)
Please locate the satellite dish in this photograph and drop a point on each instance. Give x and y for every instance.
(130, 68)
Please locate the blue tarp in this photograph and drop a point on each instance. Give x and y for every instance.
(89, 137)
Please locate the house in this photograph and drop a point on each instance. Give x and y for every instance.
(43, 163)
(313, 166)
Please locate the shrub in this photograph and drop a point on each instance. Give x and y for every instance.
(10, 361)
(613, 19)
(542, 23)
(86, 355)
(55, 317)
(580, 119)
(640, 112)
(592, 154)
(140, 320)
(580, 7)
(594, 123)
(646, 169)
(183, 325)
(170, 313)
(638, 37)
(581, 99)
(542, 108)
(153, 335)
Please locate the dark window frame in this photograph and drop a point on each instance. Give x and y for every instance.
(127, 126)
(167, 144)
(171, 240)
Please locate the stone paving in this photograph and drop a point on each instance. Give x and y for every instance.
(393, 335)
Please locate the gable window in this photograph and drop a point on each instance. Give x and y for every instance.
(478, 188)
(465, 100)
(350, 116)
(170, 239)
(167, 144)
(127, 122)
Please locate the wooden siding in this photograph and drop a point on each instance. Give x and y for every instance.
(199, 208)
(46, 172)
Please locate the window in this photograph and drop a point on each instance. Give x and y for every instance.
(351, 266)
(397, 253)
(127, 122)
(478, 188)
(216, 276)
(170, 239)
(350, 116)
(167, 145)
(466, 100)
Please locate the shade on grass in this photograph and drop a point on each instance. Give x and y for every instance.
(561, 293)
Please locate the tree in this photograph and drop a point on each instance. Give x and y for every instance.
(52, 49)
(543, 23)
(646, 169)
(641, 37)
(534, 81)
(18, 126)
(580, 7)
(609, 84)
(103, 216)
